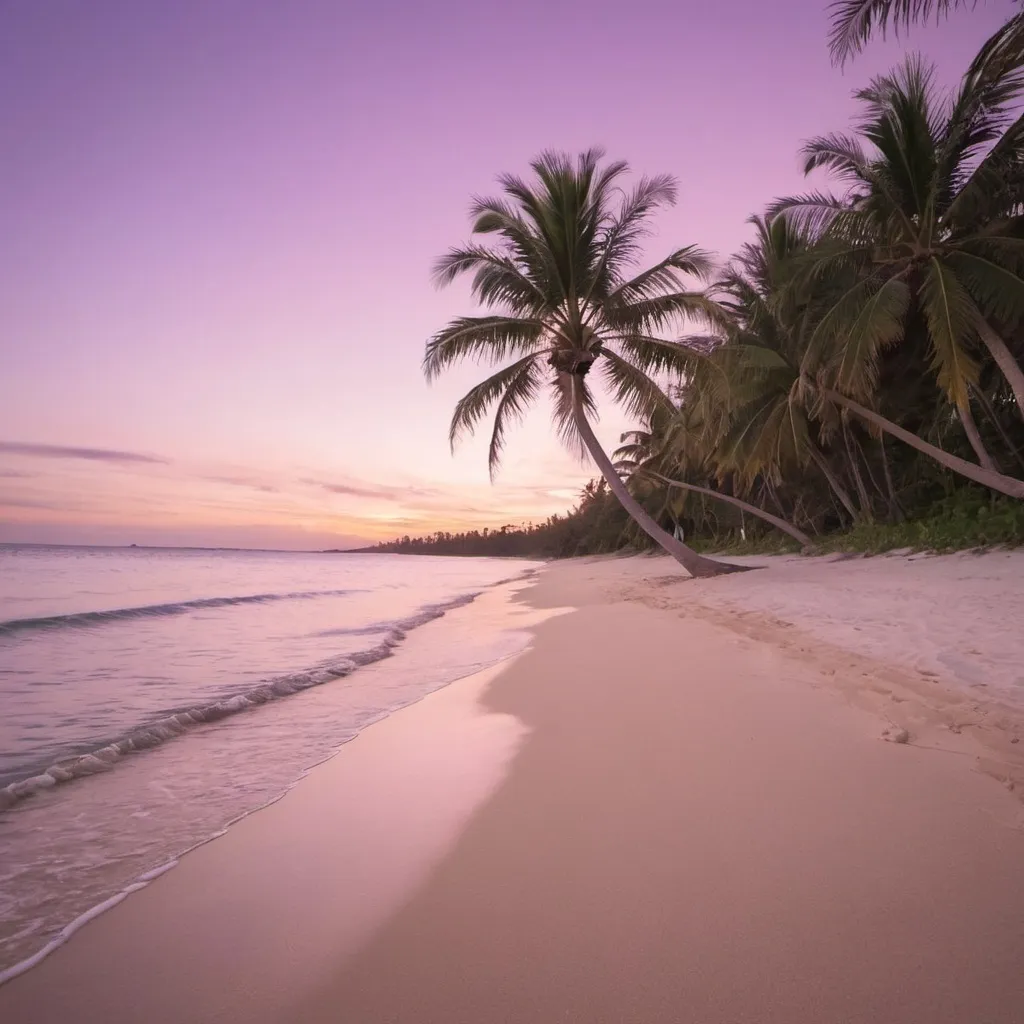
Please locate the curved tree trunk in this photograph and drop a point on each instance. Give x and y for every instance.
(780, 524)
(986, 477)
(993, 418)
(973, 435)
(833, 481)
(694, 564)
(1009, 366)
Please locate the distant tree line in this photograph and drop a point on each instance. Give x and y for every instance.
(597, 525)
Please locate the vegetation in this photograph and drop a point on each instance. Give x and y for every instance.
(565, 294)
(855, 21)
(859, 381)
(595, 526)
(969, 517)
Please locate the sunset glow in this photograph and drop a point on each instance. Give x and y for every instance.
(219, 222)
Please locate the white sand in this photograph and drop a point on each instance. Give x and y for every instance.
(703, 824)
(958, 617)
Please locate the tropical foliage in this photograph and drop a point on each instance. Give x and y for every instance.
(855, 21)
(874, 340)
(594, 526)
(565, 296)
(860, 361)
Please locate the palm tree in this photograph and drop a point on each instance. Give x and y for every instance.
(565, 295)
(756, 375)
(926, 224)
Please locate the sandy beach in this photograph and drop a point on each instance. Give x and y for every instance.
(790, 795)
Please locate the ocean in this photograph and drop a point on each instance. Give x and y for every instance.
(150, 697)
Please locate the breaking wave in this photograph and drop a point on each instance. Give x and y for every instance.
(154, 733)
(79, 620)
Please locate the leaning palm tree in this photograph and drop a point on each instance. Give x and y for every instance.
(929, 222)
(565, 296)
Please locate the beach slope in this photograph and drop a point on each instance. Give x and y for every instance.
(703, 828)
(714, 816)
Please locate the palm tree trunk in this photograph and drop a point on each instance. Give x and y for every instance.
(1000, 429)
(801, 538)
(862, 492)
(774, 495)
(971, 430)
(895, 508)
(694, 564)
(833, 481)
(867, 468)
(1004, 360)
(986, 477)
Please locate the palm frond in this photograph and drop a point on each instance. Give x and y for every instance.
(952, 324)
(492, 338)
(854, 21)
(838, 152)
(984, 105)
(519, 379)
(1001, 53)
(497, 279)
(752, 445)
(867, 318)
(659, 312)
(812, 213)
(521, 388)
(564, 414)
(633, 389)
(525, 247)
(994, 187)
(621, 242)
(691, 260)
(997, 289)
(653, 355)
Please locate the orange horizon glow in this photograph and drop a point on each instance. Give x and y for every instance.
(58, 496)
(219, 228)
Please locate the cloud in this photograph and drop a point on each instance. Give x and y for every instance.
(52, 451)
(351, 489)
(377, 492)
(48, 506)
(238, 481)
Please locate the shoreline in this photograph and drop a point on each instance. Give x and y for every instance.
(403, 785)
(667, 739)
(418, 659)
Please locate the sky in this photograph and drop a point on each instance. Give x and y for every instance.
(218, 220)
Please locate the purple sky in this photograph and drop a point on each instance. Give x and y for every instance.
(218, 217)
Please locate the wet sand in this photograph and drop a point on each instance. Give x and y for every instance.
(703, 822)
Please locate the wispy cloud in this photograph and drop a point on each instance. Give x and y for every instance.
(52, 451)
(377, 492)
(351, 489)
(240, 481)
(49, 506)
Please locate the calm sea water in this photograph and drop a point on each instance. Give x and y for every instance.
(148, 697)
